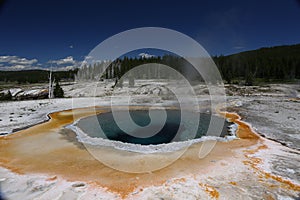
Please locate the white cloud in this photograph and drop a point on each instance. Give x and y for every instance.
(67, 60)
(69, 67)
(67, 63)
(17, 63)
(15, 60)
(88, 57)
(238, 47)
(18, 67)
(24, 61)
(146, 55)
(65, 68)
(6, 59)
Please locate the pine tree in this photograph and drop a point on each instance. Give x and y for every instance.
(58, 91)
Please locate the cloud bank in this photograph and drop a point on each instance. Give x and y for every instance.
(15, 63)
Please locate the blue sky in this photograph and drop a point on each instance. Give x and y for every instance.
(37, 33)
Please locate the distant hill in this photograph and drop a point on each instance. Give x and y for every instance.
(285, 50)
(273, 63)
(35, 76)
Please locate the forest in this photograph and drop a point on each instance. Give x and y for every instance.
(35, 76)
(274, 64)
(265, 65)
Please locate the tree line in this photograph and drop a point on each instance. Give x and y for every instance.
(281, 63)
(35, 76)
(155, 69)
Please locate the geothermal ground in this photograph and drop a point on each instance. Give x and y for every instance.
(45, 161)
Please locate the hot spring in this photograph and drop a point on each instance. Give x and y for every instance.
(174, 129)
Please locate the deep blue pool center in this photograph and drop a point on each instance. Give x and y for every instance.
(104, 126)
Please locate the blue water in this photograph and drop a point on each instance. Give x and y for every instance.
(171, 131)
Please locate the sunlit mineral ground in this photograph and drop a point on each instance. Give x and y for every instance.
(47, 147)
